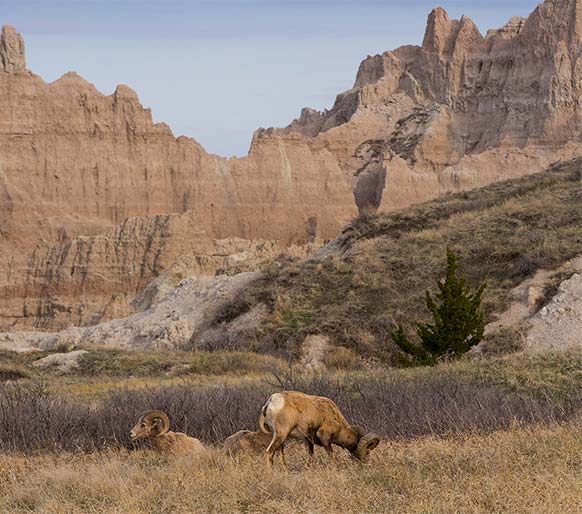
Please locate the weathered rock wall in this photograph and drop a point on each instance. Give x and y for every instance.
(88, 184)
(458, 112)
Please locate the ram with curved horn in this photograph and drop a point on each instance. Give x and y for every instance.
(154, 426)
(315, 420)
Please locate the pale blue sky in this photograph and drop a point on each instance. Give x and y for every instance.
(217, 70)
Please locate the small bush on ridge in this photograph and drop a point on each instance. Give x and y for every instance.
(458, 320)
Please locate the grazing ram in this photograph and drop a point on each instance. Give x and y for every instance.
(316, 421)
(154, 425)
(246, 441)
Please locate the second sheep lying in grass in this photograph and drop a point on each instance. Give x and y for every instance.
(247, 441)
(154, 426)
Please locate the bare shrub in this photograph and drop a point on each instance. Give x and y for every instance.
(341, 358)
(32, 418)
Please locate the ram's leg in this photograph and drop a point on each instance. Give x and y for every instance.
(282, 457)
(329, 449)
(270, 451)
(325, 439)
(309, 448)
(276, 444)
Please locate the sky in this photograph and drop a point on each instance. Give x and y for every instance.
(216, 70)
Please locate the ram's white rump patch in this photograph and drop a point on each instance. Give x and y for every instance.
(276, 403)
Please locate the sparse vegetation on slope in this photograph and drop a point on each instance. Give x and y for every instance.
(101, 363)
(375, 275)
(12, 367)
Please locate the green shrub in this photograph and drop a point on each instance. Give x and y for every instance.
(458, 320)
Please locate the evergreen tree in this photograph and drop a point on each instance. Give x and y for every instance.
(458, 320)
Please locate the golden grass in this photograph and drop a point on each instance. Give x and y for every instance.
(92, 388)
(550, 373)
(519, 470)
(105, 369)
(146, 363)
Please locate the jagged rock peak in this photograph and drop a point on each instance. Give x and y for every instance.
(438, 30)
(374, 68)
(511, 29)
(125, 92)
(445, 36)
(556, 20)
(12, 56)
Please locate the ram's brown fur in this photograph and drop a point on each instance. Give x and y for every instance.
(246, 441)
(155, 427)
(315, 420)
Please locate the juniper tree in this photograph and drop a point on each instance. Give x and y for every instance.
(458, 320)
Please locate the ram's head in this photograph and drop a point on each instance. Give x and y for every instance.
(151, 424)
(367, 441)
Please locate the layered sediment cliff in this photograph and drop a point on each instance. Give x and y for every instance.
(96, 199)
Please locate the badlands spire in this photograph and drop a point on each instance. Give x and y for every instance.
(12, 54)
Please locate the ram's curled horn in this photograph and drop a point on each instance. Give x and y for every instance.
(359, 430)
(366, 444)
(153, 415)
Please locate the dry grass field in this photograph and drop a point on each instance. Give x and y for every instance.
(536, 470)
(489, 435)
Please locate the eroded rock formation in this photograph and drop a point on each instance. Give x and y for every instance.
(185, 310)
(457, 112)
(96, 199)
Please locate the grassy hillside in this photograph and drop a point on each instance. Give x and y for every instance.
(376, 274)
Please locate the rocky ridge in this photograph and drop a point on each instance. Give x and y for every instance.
(558, 325)
(169, 324)
(94, 194)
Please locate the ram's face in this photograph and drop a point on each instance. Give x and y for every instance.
(142, 429)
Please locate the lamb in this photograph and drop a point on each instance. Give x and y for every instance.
(247, 441)
(315, 420)
(154, 425)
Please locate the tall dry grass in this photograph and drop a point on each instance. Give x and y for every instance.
(517, 470)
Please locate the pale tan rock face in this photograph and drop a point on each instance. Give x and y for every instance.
(84, 179)
(179, 315)
(96, 199)
(91, 279)
(558, 325)
(12, 54)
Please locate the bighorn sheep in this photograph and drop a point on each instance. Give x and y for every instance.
(316, 421)
(246, 441)
(155, 426)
